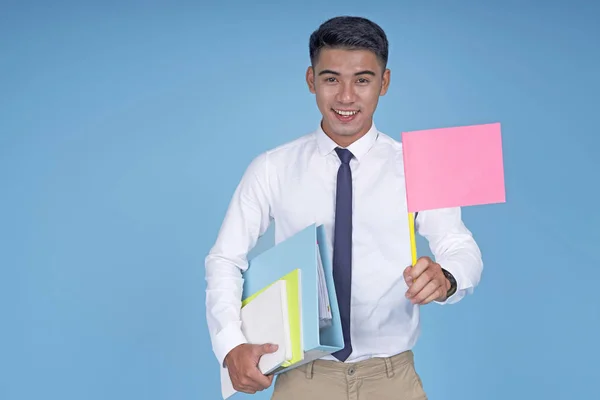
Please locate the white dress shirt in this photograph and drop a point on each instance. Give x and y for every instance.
(294, 185)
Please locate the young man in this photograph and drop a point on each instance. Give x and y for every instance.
(348, 176)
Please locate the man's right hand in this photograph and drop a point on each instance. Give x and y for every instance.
(242, 364)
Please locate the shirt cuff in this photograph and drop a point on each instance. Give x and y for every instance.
(226, 340)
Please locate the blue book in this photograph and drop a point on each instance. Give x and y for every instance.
(302, 251)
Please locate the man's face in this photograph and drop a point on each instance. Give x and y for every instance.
(347, 85)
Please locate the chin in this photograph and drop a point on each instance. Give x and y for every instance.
(351, 129)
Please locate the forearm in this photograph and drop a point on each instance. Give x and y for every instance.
(464, 263)
(223, 303)
(247, 218)
(453, 247)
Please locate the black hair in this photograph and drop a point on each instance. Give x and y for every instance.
(352, 33)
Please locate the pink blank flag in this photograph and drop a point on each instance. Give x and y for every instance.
(453, 167)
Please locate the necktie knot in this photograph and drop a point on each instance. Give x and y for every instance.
(345, 155)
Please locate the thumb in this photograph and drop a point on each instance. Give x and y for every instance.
(267, 348)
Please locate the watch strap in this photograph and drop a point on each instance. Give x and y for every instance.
(452, 280)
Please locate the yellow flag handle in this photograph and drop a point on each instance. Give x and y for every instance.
(413, 242)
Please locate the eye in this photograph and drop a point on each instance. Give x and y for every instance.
(363, 80)
(330, 79)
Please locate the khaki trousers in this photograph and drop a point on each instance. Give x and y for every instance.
(377, 378)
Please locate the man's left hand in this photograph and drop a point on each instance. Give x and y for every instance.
(426, 282)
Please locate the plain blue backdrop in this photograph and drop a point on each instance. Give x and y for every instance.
(125, 127)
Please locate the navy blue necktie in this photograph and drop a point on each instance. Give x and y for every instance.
(342, 247)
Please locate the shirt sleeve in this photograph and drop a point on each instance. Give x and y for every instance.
(246, 219)
(453, 247)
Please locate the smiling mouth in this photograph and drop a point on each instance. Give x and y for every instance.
(345, 113)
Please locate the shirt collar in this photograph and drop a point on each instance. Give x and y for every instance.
(359, 148)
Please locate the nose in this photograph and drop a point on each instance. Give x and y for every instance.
(346, 93)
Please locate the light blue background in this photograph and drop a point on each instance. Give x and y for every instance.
(125, 128)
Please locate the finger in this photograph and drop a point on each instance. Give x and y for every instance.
(440, 293)
(431, 290)
(407, 275)
(420, 266)
(417, 285)
(244, 385)
(248, 384)
(260, 381)
(244, 389)
(412, 272)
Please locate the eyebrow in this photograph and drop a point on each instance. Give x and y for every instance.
(328, 71)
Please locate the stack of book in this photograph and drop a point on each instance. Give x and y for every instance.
(289, 300)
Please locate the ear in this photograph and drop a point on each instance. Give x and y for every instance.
(310, 79)
(385, 82)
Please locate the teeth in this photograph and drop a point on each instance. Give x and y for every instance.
(345, 113)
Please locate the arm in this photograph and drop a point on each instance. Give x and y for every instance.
(246, 219)
(453, 248)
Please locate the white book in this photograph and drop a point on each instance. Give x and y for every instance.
(265, 320)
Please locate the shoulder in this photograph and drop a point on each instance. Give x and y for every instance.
(306, 142)
(286, 153)
(280, 157)
(389, 142)
(388, 147)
